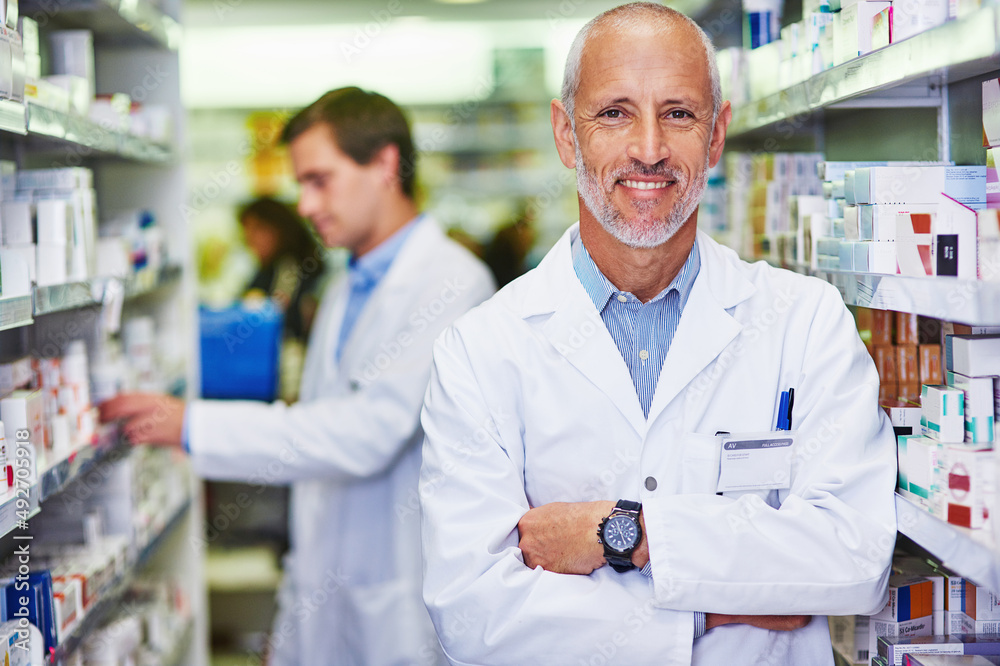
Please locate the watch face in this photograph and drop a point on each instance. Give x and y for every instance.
(620, 533)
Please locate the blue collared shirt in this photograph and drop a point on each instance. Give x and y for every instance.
(641, 331)
(365, 273)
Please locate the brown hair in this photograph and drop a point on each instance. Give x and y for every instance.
(363, 123)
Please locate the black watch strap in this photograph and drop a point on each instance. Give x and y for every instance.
(619, 563)
(629, 505)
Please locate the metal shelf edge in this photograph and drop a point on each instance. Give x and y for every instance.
(955, 546)
(110, 599)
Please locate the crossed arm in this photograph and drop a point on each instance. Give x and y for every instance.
(561, 537)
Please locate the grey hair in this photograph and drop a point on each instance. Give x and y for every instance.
(622, 17)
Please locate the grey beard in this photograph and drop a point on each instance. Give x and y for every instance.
(649, 232)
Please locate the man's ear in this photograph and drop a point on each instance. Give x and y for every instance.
(387, 162)
(562, 130)
(719, 134)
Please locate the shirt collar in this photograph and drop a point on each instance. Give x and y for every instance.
(600, 289)
(369, 269)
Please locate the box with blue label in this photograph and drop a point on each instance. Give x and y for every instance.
(920, 185)
(240, 348)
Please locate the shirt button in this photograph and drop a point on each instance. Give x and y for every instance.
(644, 354)
(622, 298)
(650, 483)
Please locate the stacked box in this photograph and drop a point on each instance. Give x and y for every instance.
(969, 485)
(973, 355)
(980, 398)
(942, 413)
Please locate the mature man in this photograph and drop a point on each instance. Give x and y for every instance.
(351, 446)
(585, 399)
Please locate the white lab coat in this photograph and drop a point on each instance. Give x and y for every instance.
(351, 449)
(530, 402)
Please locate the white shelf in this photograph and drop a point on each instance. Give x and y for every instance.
(972, 302)
(72, 295)
(129, 22)
(964, 301)
(83, 133)
(15, 312)
(954, 51)
(970, 553)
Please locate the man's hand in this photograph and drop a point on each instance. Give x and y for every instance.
(772, 622)
(147, 418)
(562, 537)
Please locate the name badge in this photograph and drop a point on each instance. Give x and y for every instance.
(756, 461)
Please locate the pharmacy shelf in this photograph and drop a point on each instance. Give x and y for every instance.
(970, 553)
(110, 600)
(73, 295)
(85, 138)
(69, 296)
(973, 302)
(106, 448)
(963, 301)
(14, 517)
(56, 478)
(15, 312)
(12, 117)
(148, 282)
(954, 51)
(128, 22)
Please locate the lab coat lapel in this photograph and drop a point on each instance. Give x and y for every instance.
(320, 356)
(389, 297)
(705, 328)
(578, 333)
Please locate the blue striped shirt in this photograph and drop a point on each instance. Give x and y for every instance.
(641, 331)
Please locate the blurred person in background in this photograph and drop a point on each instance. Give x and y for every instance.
(351, 446)
(507, 252)
(290, 270)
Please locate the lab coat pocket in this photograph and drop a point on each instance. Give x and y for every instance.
(699, 464)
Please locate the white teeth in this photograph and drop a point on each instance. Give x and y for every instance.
(645, 185)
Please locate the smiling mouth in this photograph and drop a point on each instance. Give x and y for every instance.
(646, 185)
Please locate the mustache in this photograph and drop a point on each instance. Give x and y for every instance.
(661, 169)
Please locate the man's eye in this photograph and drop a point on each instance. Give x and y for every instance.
(612, 113)
(677, 114)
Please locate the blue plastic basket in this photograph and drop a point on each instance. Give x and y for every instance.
(240, 347)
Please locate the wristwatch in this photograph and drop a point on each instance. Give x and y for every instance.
(620, 534)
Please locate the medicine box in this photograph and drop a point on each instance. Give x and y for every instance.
(930, 364)
(991, 112)
(988, 261)
(910, 597)
(973, 355)
(980, 405)
(907, 367)
(914, 240)
(911, 17)
(969, 484)
(942, 413)
(920, 184)
(890, 629)
(921, 459)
